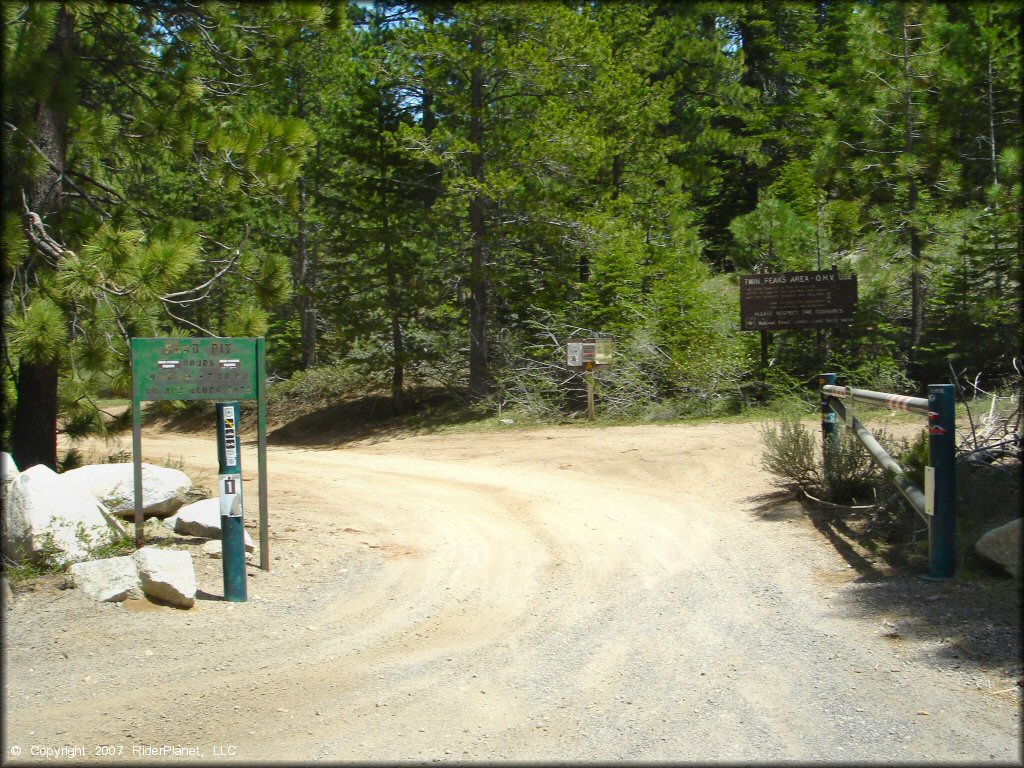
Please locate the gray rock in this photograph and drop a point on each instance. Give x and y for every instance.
(1002, 546)
(202, 518)
(163, 489)
(167, 575)
(213, 548)
(111, 580)
(42, 510)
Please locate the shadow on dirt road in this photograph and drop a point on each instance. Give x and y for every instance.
(972, 621)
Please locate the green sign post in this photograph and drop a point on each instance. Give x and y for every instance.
(224, 369)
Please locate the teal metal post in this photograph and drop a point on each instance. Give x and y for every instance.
(829, 428)
(140, 536)
(942, 458)
(261, 449)
(232, 530)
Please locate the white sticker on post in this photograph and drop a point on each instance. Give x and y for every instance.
(575, 354)
(929, 490)
(230, 437)
(231, 495)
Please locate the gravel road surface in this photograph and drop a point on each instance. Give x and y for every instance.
(562, 594)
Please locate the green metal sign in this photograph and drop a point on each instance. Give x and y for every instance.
(225, 369)
(194, 369)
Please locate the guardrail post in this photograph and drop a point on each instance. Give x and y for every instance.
(829, 428)
(942, 459)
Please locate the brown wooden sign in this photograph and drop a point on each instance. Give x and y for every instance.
(789, 300)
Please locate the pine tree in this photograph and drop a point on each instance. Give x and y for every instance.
(502, 143)
(376, 194)
(899, 53)
(119, 127)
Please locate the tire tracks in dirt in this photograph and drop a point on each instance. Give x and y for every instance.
(559, 594)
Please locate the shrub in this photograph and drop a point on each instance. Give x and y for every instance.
(115, 545)
(50, 558)
(319, 387)
(644, 381)
(793, 455)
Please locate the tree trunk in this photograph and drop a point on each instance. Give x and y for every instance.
(34, 435)
(307, 283)
(709, 25)
(394, 293)
(397, 339)
(34, 431)
(306, 248)
(821, 14)
(916, 277)
(427, 105)
(479, 376)
(752, 76)
(997, 260)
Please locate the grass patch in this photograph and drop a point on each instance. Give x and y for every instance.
(50, 559)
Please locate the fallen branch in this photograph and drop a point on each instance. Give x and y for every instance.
(834, 505)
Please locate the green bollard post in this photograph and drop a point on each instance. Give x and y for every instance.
(942, 460)
(232, 530)
(829, 428)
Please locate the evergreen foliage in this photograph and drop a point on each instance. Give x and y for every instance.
(438, 193)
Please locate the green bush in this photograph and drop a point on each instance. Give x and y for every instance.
(793, 455)
(116, 545)
(50, 558)
(644, 382)
(319, 387)
(851, 475)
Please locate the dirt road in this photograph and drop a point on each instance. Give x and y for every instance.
(557, 594)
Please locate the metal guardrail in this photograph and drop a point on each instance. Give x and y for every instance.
(914, 496)
(937, 504)
(881, 399)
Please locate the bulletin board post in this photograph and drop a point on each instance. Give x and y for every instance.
(586, 355)
(222, 369)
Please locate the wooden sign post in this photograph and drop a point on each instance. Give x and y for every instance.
(795, 300)
(586, 355)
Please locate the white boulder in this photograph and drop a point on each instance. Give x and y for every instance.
(44, 514)
(8, 472)
(1002, 546)
(163, 489)
(8, 469)
(167, 575)
(202, 518)
(110, 580)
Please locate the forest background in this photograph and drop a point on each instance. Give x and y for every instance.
(415, 197)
